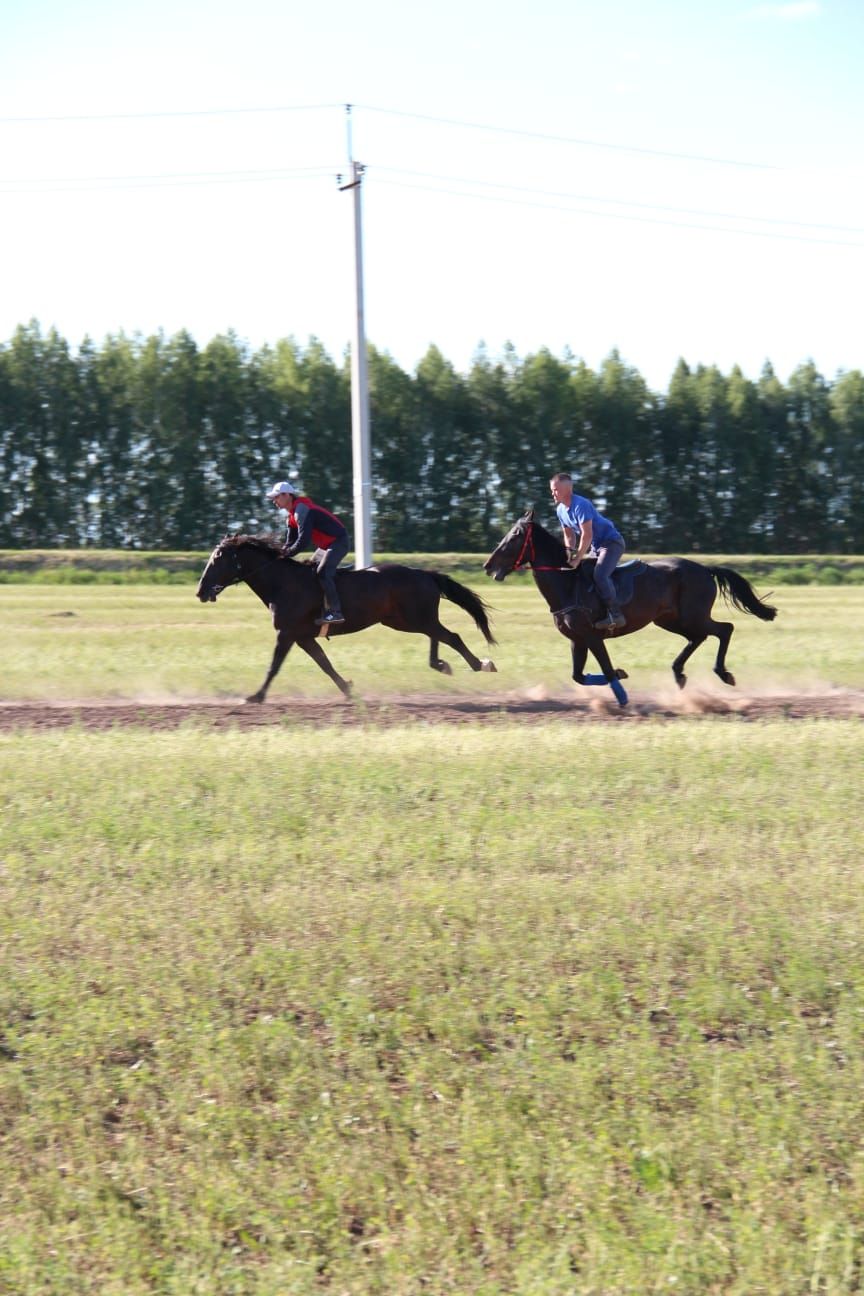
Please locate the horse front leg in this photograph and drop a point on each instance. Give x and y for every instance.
(578, 652)
(314, 650)
(280, 652)
(612, 676)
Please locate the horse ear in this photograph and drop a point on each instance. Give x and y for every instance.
(529, 514)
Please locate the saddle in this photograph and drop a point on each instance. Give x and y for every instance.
(588, 600)
(623, 577)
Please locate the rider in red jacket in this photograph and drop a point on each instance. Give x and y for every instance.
(312, 527)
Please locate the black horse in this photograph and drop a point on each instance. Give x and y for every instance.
(676, 594)
(403, 598)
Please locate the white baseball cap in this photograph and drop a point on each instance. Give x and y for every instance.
(282, 488)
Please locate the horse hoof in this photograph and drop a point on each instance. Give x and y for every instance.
(489, 666)
(621, 674)
(444, 667)
(727, 677)
(681, 680)
(256, 698)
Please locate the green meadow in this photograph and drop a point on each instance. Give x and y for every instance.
(451, 1010)
(146, 641)
(487, 1009)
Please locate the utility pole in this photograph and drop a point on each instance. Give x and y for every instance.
(360, 443)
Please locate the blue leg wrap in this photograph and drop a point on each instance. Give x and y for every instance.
(620, 692)
(616, 686)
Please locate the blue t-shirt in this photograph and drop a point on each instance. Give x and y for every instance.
(582, 510)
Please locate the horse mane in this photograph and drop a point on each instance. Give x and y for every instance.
(265, 542)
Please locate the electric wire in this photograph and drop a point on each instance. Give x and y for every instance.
(152, 115)
(617, 202)
(165, 180)
(581, 141)
(623, 216)
(504, 192)
(548, 137)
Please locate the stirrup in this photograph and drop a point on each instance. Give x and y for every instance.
(613, 620)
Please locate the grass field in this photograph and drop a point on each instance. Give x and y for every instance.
(158, 567)
(154, 642)
(444, 1009)
(440, 1010)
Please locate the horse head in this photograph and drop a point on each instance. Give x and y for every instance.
(235, 559)
(223, 569)
(512, 550)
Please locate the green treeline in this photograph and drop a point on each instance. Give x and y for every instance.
(157, 443)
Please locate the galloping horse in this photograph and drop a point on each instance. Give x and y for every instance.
(403, 598)
(676, 594)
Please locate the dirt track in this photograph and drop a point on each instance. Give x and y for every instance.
(432, 708)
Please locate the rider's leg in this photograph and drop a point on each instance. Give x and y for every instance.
(326, 569)
(607, 560)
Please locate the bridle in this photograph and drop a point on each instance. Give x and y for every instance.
(527, 556)
(239, 574)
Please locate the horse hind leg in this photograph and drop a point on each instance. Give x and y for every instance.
(723, 630)
(678, 664)
(438, 663)
(453, 640)
(694, 638)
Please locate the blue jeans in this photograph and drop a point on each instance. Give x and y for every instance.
(608, 558)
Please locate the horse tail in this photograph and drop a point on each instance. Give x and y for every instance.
(741, 594)
(466, 599)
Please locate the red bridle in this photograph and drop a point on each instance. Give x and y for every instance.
(528, 548)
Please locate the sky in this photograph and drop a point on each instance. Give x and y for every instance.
(671, 178)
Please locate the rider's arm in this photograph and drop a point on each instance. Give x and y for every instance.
(303, 538)
(569, 540)
(585, 534)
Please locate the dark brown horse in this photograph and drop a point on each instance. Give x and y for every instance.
(403, 598)
(676, 594)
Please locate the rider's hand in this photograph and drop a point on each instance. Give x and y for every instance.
(573, 560)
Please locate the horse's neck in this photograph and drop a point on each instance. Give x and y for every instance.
(547, 550)
(259, 573)
(556, 586)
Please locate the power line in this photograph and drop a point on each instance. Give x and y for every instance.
(165, 180)
(143, 116)
(623, 216)
(569, 139)
(515, 132)
(618, 202)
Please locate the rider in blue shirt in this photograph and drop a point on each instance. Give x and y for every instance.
(587, 531)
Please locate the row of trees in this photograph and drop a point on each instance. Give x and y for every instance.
(159, 443)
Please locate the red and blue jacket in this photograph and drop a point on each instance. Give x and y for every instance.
(312, 527)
